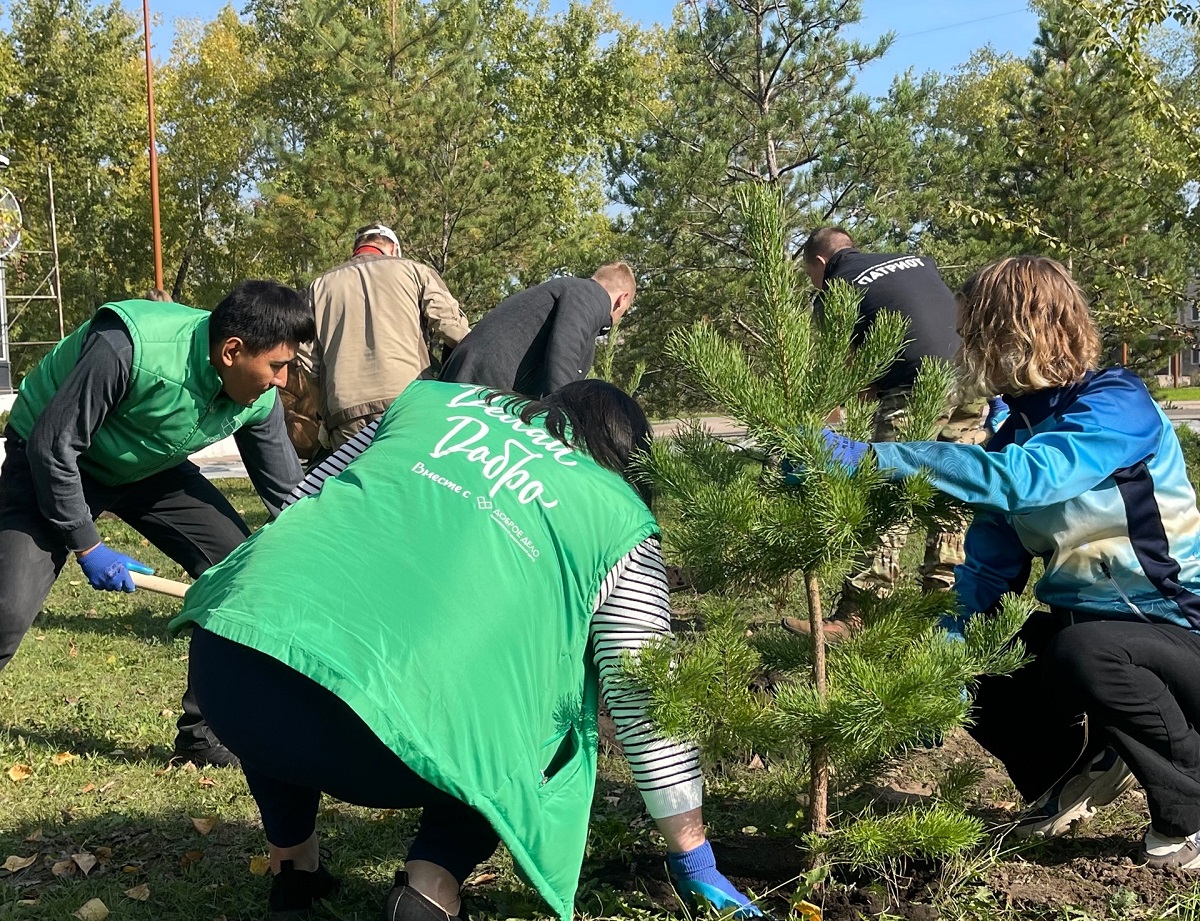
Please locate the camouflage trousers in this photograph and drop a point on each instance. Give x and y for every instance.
(877, 573)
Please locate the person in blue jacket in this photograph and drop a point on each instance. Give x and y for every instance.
(1086, 474)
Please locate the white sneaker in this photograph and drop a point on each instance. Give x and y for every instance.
(1177, 853)
(1075, 799)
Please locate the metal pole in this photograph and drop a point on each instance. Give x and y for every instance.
(157, 230)
(5, 367)
(54, 248)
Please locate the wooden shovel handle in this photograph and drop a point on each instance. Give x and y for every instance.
(159, 584)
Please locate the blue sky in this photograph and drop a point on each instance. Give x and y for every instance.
(930, 34)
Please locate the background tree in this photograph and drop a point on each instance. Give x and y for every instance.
(756, 91)
(475, 129)
(71, 93)
(1056, 154)
(212, 127)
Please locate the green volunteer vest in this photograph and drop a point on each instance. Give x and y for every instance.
(443, 586)
(174, 406)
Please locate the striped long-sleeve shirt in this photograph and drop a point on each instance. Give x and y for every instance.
(631, 610)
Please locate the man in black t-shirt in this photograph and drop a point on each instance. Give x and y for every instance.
(911, 286)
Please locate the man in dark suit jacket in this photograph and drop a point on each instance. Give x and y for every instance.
(542, 338)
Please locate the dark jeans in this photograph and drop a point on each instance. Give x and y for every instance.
(297, 740)
(1126, 684)
(178, 511)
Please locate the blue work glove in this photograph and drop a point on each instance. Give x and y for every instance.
(109, 571)
(997, 414)
(846, 451)
(955, 626)
(695, 874)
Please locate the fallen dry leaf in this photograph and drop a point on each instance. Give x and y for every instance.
(63, 758)
(15, 863)
(72, 650)
(87, 788)
(190, 858)
(807, 911)
(189, 767)
(91, 910)
(140, 893)
(166, 712)
(63, 868)
(84, 861)
(108, 786)
(130, 868)
(35, 835)
(207, 782)
(104, 853)
(260, 865)
(204, 826)
(19, 772)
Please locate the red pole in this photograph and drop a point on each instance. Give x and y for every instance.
(155, 226)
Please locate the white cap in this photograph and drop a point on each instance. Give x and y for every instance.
(377, 230)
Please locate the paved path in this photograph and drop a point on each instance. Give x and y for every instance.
(216, 468)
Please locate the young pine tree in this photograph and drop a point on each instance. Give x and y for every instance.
(747, 532)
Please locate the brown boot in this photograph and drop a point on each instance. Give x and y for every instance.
(838, 627)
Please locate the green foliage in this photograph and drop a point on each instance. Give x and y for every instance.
(1189, 441)
(752, 93)
(748, 531)
(879, 842)
(1058, 154)
(606, 353)
(475, 129)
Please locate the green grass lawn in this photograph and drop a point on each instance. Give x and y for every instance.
(90, 809)
(1179, 393)
(87, 720)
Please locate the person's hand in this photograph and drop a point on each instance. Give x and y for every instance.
(696, 876)
(846, 451)
(108, 570)
(997, 414)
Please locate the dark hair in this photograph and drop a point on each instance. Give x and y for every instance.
(263, 314)
(825, 242)
(599, 419)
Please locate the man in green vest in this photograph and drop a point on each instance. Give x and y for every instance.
(106, 422)
(485, 565)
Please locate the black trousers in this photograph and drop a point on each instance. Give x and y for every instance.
(179, 511)
(298, 740)
(1130, 685)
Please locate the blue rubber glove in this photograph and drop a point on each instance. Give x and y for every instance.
(109, 571)
(695, 874)
(997, 414)
(846, 451)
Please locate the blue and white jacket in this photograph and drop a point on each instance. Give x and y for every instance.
(1091, 479)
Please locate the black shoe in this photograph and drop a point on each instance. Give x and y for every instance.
(294, 892)
(406, 904)
(198, 745)
(209, 756)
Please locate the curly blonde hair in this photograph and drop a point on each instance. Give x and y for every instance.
(1025, 325)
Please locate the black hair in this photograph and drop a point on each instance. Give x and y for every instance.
(263, 314)
(825, 242)
(599, 419)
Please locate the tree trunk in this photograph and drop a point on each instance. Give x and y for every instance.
(818, 790)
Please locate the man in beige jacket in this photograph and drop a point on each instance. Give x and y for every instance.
(373, 314)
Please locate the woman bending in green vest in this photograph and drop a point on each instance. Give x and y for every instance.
(462, 580)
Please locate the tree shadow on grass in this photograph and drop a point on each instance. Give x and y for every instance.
(83, 743)
(142, 622)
